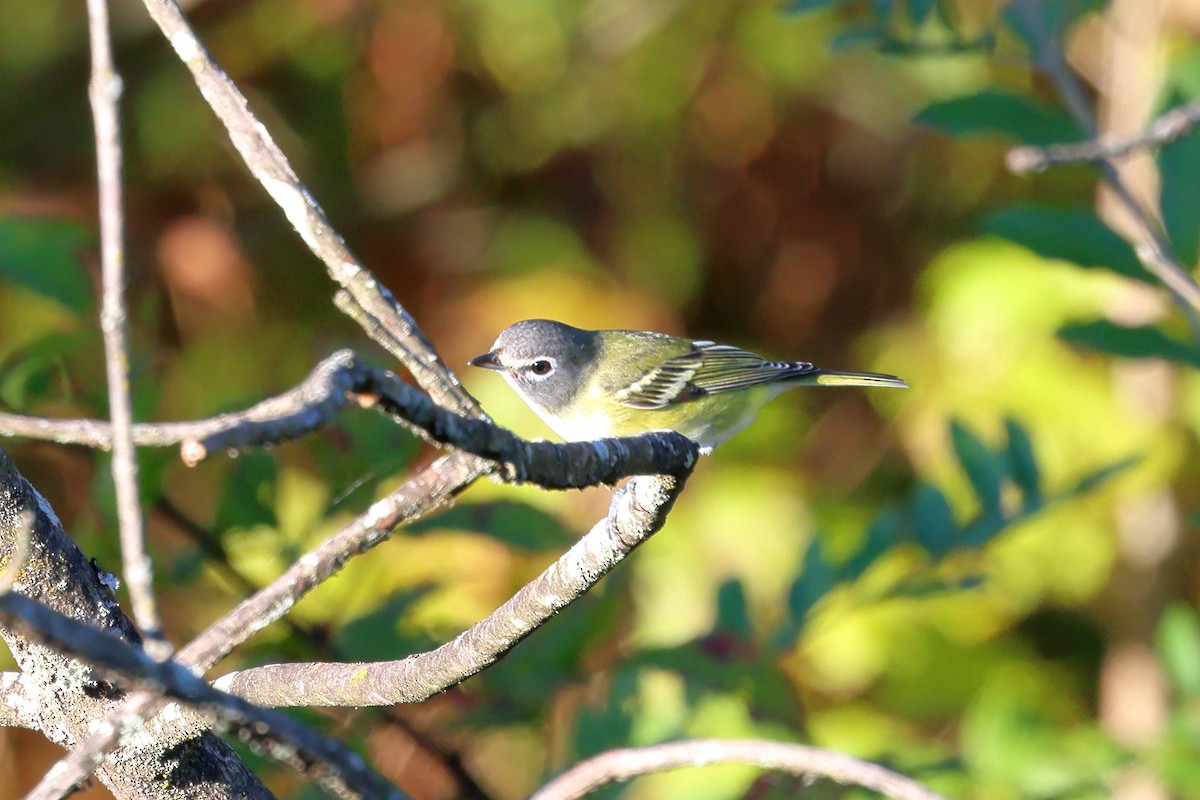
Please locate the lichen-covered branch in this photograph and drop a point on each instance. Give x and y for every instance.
(622, 765)
(638, 510)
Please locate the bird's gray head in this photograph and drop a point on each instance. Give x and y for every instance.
(546, 361)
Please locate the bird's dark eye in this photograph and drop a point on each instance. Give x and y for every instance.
(541, 367)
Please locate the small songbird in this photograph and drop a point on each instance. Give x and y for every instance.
(592, 384)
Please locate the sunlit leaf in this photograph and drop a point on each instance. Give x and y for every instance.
(1022, 465)
(997, 112)
(1068, 234)
(43, 256)
(1141, 341)
(982, 466)
(1178, 643)
(932, 520)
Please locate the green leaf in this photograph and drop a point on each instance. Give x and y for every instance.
(380, 634)
(919, 10)
(816, 581)
(883, 533)
(1142, 341)
(983, 468)
(1178, 644)
(932, 520)
(732, 613)
(989, 524)
(519, 525)
(248, 496)
(1067, 234)
(1179, 165)
(1093, 480)
(35, 370)
(931, 586)
(996, 112)
(42, 255)
(1022, 465)
(804, 6)
(855, 36)
(604, 726)
(1051, 18)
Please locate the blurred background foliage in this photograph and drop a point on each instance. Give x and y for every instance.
(988, 581)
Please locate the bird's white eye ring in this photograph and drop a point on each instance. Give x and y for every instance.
(541, 368)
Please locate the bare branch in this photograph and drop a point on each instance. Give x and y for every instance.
(271, 168)
(638, 510)
(1151, 244)
(621, 765)
(325, 759)
(1171, 125)
(104, 89)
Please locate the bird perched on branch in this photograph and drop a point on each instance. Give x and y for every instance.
(592, 384)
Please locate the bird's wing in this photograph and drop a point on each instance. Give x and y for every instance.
(708, 368)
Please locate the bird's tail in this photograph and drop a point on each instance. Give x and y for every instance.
(826, 377)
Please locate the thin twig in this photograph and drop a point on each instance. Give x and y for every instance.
(104, 89)
(1151, 245)
(638, 510)
(312, 403)
(271, 168)
(621, 765)
(1168, 127)
(325, 759)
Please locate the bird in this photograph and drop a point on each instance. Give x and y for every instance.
(592, 384)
